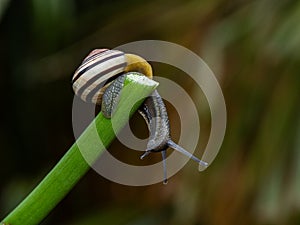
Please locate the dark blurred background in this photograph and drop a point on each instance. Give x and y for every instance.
(252, 46)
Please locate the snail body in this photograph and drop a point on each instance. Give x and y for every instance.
(100, 79)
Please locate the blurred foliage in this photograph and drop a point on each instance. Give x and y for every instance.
(252, 46)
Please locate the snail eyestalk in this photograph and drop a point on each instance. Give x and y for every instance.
(178, 148)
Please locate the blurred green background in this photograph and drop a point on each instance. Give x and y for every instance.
(252, 46)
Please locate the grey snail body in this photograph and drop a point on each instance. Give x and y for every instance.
(99, 79)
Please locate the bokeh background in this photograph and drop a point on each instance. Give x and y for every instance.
(253, 47)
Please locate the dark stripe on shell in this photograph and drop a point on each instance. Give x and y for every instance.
(94, 54)
(96, 77)
(92, 93)
(95, 64)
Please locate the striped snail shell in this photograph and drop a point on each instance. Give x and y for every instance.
(99, 80)
(90, 79)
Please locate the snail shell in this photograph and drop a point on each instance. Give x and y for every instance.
(100, 67)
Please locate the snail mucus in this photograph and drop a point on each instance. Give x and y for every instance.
(99, 79)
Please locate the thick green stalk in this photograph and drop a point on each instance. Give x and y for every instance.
(68, 171)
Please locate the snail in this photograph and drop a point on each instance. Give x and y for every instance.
(99, 80)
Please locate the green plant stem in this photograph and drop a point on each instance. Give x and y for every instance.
(68, 171)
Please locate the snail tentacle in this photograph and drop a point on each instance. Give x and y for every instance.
(178, 148)
(164, 157)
